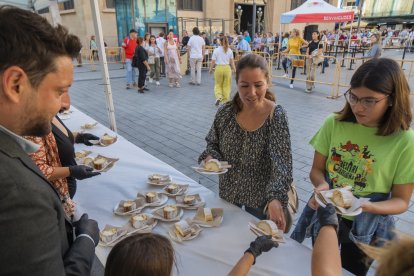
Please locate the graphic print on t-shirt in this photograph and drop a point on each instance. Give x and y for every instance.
(350, 165)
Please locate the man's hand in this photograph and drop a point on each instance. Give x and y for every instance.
(87, 227)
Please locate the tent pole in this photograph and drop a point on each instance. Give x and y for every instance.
(104, 65)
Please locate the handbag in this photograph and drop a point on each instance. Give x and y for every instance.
(151, 60)
(317, 58)
(293, 200)
(292, 207)
(298, 63)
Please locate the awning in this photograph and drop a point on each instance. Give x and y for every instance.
(314, 11)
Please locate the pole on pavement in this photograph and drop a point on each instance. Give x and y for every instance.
(104, 65)
(254, 19)
(361, 3)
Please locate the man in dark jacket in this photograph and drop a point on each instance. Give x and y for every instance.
(36, 69)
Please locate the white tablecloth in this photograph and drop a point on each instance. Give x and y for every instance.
(215, 251)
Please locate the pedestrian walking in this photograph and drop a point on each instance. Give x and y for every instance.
(222, 61)
(293, 50)
(141, 57)
(315, 57)
(160, 42)
(196, 49)
(154, 61)
(172, 61)
(127, 53)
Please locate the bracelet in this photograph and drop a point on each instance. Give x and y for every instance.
(87, 236)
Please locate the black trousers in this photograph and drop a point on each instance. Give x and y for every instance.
(142, 69)
(353, 259)
(284, 65)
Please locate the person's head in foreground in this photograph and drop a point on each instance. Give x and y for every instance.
(35, 70)
(395, 257)
(142, 254)
(253, 79)
(379, 97)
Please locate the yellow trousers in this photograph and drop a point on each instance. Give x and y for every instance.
(222, 86)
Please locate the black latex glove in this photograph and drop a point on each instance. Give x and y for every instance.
(327, 216)
(84, 138)
(260, 245)
(81, 172)
(87, 226)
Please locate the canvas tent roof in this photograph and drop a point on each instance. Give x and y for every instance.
(28, 4)
(316, 11)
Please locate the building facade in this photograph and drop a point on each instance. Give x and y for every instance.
(211, 16)
(77, 17)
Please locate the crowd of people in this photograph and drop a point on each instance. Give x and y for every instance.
(367, 145)
(162, 57)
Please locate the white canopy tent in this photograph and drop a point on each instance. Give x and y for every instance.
(315, 11)
(41, 4)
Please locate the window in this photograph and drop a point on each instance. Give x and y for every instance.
(43, 11)
(67, 5)
(296, 3)
(193, 5)
(110, 4)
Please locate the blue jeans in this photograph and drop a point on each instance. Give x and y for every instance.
(130, 71)
(365, 228)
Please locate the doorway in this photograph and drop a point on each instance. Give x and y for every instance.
(156, 28)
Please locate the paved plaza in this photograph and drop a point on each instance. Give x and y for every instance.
(171, 123)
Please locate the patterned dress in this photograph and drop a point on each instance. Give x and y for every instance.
(173, 65)
(47, 158)
(261, 160)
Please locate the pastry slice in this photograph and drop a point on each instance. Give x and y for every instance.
(342, 198)
(212, 165)
(268, 227)
(183, 228)
(208, 216)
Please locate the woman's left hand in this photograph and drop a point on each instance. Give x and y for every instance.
(275, 213)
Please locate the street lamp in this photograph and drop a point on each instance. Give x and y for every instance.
(239, 13)
(259, 18)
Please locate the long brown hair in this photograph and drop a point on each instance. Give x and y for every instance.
(142, 254)
(385, 76)
(225, 43)
(252, 61)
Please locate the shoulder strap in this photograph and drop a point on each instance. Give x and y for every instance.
(272, 113)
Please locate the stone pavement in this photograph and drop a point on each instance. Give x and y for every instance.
(171, 123)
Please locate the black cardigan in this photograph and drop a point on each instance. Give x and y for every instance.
(141, 55)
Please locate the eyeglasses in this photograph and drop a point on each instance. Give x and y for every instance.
(365, 102)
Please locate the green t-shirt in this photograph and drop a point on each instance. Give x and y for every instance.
(363, 160)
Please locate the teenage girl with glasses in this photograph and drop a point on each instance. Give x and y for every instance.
(369, 146)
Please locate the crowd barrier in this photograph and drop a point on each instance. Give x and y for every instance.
(304, 70)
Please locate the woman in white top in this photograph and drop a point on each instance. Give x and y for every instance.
(172, 61)
(154, 60)
(222, 59)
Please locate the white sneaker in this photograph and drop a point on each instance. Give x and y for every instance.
(150, 80)
(285, 76)
(157, 83)
(177, 84)
(308, 90)
(291, 85)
